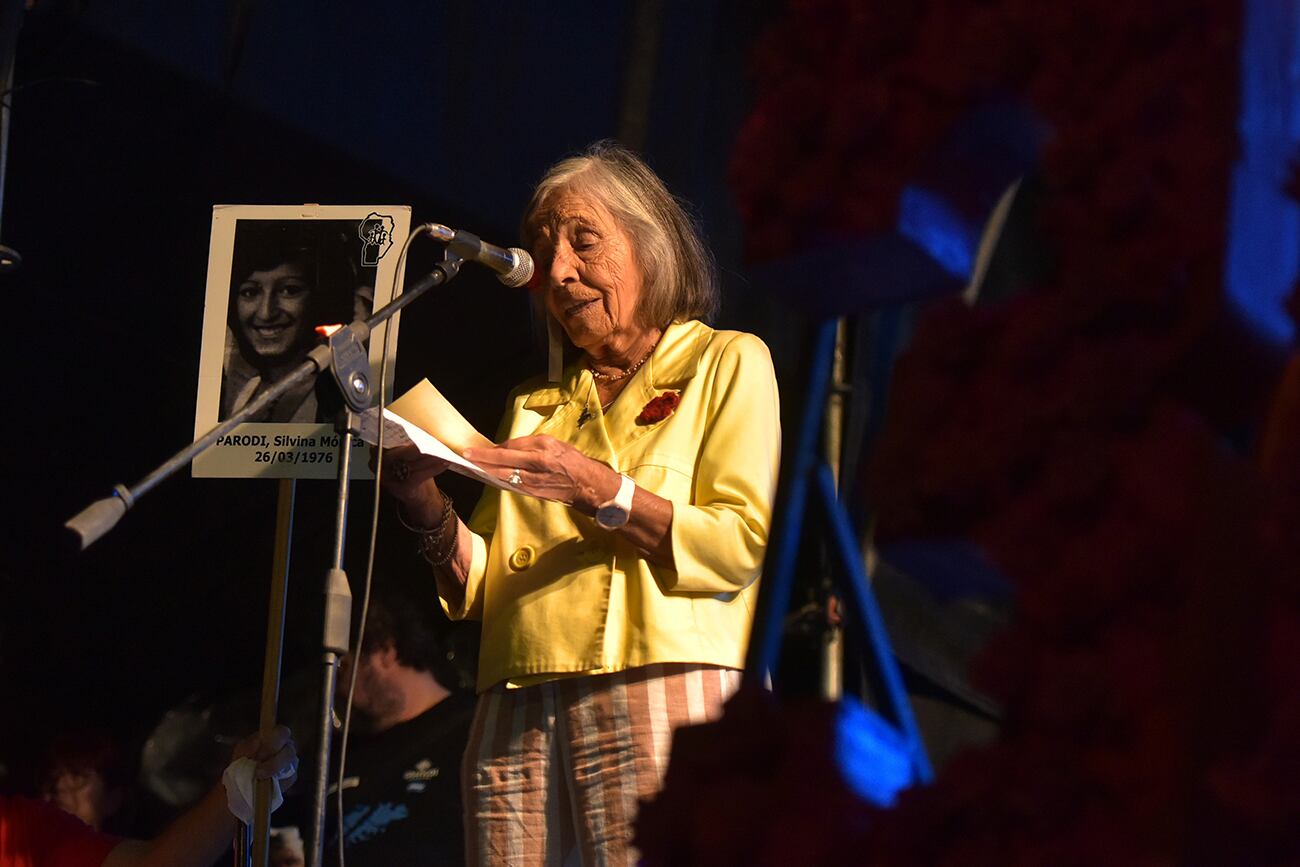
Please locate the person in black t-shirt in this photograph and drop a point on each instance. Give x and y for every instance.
(401, 783)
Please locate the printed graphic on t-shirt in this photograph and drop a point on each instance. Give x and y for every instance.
(365, 821)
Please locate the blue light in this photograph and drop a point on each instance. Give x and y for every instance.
(1263, 244)
(931, 223)
(873, 757)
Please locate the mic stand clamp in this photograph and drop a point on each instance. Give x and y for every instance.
(351, 368)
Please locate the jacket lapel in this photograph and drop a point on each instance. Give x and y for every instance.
(670, 368)
(566, 405)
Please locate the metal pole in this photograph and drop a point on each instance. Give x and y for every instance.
(101, 516)
(335, 640)
(11, 17)
(797, 463)
(261, 839)
(832, 670)
(642, 57)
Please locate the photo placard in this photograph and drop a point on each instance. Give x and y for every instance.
(276, 273)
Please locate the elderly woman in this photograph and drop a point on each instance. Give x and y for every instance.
(616, 587)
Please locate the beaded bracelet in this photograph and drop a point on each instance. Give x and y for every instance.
(443, 558)
(431, 538)
(430, 541)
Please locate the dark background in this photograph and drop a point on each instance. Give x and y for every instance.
(130, 121)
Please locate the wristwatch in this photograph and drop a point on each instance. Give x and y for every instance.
(613, 514)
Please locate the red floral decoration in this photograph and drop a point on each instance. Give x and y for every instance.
(659, 408)
(1151, 679)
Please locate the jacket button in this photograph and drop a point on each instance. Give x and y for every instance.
(522, 558)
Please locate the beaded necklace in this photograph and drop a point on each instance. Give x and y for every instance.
(610, 378)
(619, 377)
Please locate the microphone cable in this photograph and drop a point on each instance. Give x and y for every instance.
(399, 273)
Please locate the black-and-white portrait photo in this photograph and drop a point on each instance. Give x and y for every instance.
(288, 277)
(276, 274)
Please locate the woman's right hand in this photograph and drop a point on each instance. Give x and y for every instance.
(410, 478)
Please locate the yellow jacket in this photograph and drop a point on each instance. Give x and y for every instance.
(558, 595)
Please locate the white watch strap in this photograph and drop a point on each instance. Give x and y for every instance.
(615, 513)
(623, 498)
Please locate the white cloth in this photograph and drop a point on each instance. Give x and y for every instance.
(240, 785)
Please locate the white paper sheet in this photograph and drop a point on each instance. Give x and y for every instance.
(400, 432)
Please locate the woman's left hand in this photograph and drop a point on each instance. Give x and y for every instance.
(549, 468)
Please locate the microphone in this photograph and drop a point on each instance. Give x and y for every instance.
(514, 266)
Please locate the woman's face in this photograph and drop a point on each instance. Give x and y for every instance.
(589, 275)
(271, 307)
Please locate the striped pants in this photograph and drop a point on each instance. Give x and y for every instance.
(553, 772)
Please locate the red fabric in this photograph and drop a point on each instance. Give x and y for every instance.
(659, 408)
(38, 834)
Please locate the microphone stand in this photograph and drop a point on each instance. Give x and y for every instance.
(345, 356)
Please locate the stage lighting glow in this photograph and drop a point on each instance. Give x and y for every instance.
(1263, 244)
(871, 754)
(932, 224)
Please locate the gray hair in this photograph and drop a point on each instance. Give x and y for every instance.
(681, 279)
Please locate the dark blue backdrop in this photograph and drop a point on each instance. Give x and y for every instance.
(452, 107)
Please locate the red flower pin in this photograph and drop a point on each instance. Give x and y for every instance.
(659, 408)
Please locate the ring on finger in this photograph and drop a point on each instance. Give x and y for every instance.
(514, 478)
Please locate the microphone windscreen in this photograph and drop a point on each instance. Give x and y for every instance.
(522, 272)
